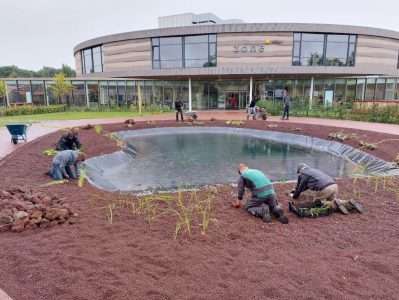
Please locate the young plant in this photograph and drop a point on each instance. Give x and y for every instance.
(110, 212)
(204, 208)
(98, 129)
(82, 177)
(50, 152)
(184, 213)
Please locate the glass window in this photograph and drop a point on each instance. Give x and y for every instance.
(92, 60)
(88, 63)
(38, 93)
(196, 51)
(380, 89)
(370, 89)
(212, 38)
(171, 52)
(311, 49)
(337, 50)
(350, 90)
(97, 60)
(79, 93)
(390, 89)
(360, 89)
(184, 52)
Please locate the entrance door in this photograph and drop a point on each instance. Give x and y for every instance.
(236, 100)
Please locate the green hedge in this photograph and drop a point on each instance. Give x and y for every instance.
(31, 110)
(388, 114)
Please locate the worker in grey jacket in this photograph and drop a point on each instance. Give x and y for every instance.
(324, 190)
(65, 164)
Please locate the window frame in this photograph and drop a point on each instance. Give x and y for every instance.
(297, 40)
(211, 41)
(83, 59)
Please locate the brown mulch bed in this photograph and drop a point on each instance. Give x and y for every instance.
(336, 257)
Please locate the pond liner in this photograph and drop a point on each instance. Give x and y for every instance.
(370, 164)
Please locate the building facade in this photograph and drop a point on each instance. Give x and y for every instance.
(224, 66)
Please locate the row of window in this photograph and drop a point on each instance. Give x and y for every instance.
(197, 51)
(313, 49)
(92, 60)
(200, 51)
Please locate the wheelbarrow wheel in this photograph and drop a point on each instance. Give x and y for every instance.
(14, 141)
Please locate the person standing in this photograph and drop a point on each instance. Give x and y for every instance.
(251, 112)
(286, 104)
(179, 110)
(263, 200)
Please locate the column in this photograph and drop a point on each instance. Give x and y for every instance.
(7, 99)
(189, 95)
(250, 89)
(87, 94)
(311, 93)
(45, 93)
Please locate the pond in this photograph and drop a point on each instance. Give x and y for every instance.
(170, 158)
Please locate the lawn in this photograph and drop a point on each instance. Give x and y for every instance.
(68, 116)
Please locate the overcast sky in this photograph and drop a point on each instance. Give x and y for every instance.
(36, 33)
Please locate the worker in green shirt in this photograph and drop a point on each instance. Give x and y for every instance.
(263, 203)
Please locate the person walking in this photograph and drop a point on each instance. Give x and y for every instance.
(263, 200)
(286, 104)
(179, 110)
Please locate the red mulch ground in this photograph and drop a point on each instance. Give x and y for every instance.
(337, 257)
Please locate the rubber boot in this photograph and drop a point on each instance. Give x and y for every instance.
(279, 213)
(341, 207)
(356, 206)
(267, 218)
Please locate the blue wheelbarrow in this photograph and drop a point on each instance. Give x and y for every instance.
(18, 132)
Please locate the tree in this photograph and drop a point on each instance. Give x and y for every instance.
(14, 71)
(61, 87)
(2, 90)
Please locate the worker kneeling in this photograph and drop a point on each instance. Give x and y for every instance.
(263, 202)
(324, 191)
(65, 165)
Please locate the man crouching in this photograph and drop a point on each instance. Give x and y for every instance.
(324, 191)
(65, 165)
(263, 201)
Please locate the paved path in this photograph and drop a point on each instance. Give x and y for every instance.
(45, 127)
(4, 296)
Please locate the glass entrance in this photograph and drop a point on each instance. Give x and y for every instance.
(236, 100)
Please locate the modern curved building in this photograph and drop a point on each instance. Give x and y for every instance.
(226, 65)
(216, 64)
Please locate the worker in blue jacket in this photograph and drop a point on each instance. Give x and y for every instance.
(65, 165)
(263, 202)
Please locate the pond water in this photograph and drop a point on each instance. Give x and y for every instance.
(181, 160)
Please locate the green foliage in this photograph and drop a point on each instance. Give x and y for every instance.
(61, 87)
(82, 177)
(2, 89)
(342, 111)
(31, 110)
(14, 71)
(98, 129)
